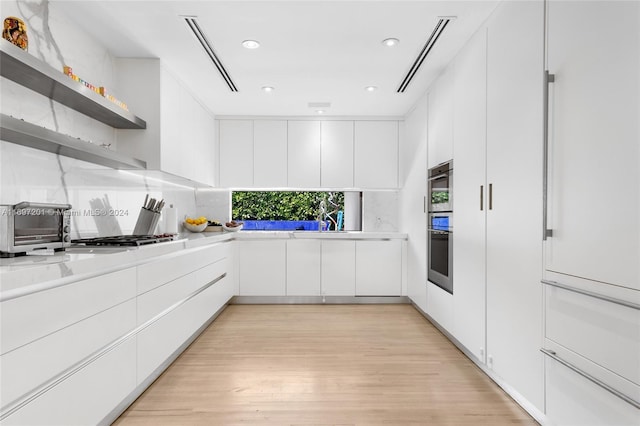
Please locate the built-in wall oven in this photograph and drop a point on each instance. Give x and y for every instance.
(440, 226)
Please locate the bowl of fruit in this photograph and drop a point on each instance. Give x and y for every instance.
(232, 226)
(195, 225)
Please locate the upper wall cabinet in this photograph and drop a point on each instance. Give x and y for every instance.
(333, 154)
(336, 154)
(269, 153)
(236, 153)
(304, 154)
(594, 160)
(376, 154)
(180, 134)
(440, 119)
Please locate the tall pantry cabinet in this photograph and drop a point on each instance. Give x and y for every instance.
(497, 157)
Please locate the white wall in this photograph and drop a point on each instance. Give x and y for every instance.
(33, 175)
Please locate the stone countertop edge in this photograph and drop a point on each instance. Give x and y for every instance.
(29, 270)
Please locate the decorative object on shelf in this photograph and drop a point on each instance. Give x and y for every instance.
(15, 31)
(68, 71)
(213, 226)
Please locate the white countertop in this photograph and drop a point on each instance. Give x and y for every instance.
(33, 269)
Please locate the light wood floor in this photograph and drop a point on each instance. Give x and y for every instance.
(323, 365)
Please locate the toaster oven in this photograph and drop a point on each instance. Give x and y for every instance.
(34, 226)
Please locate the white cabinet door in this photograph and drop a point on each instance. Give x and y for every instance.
(303, 268)
(413, 202)
(262, 268)
(378, 268)
(376, 154)
(594, 133)
(236, 153)
(514, 171)
(304, 154)
(337, 154)
(441, 120)
(338, 268)
(270, 153)
(469, 153)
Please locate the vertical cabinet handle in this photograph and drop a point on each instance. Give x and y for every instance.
(481, 197)
(490, 196)
(548, 79)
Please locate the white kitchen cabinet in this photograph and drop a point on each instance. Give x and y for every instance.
(379, 268)
(440, 120)
(27, 367)
(303, 267)
(514, 177)
(336, 143)
(604, 333)
(236, 153)
(22, 318)
(594, 160)
(338, 273)
(179, 138)
(303, 154)
(262, 268)
(270, 153)
(413, 208)
(573, 400)
(376, 154)
(469, 201)
(86, 397)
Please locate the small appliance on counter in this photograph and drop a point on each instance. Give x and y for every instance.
(27, 227)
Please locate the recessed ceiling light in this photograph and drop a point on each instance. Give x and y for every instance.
(320, 111)
(390, 42)
(268, 89)
(371, 88)
(251, 44)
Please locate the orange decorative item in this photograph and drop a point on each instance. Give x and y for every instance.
(15, 31)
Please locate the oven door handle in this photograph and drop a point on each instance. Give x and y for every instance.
(28, 205)
(442, 176)
(439, 231)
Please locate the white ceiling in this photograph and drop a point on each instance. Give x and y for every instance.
(311, 51)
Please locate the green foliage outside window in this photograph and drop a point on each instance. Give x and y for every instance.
(281, 205)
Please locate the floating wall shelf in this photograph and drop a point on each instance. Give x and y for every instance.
(30, 72)
(26, 134)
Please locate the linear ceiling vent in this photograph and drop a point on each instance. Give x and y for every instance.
(440, 26)
(197, 31)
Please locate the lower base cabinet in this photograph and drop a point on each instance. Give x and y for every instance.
(338, 268)
(303, 268)
(86, 397)
(81, 373)
(262, 268)
(379, 268)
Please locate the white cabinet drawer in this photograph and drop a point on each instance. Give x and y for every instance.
(155, 274)
(86, 397)
(31, 317)
(573, 400)
(603, 332)
(29, 366)
(157, 342)
(160, 298)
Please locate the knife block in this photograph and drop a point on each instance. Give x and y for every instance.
(147, 222)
